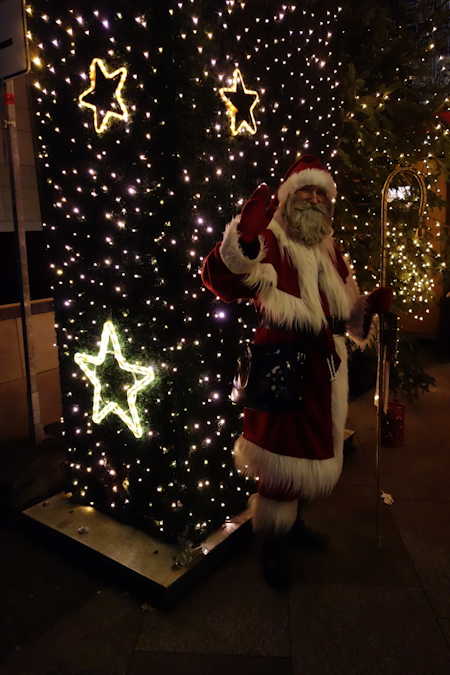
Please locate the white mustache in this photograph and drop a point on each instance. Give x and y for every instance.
(306, 206)
(308, 223)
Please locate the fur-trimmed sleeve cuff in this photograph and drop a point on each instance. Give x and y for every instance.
(232, 253)
(362, 325)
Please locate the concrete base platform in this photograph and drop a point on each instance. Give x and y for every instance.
(132, 550)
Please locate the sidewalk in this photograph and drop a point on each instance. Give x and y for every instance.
(352, 611)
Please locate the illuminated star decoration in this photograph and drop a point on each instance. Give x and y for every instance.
(109, 344)
(101, 79)
(240, 103)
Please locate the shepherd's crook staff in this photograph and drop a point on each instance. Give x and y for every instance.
(383, 360)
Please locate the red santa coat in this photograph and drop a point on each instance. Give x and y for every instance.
(298, 289)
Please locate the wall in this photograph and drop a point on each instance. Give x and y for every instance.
(13, 402)
(27, 165)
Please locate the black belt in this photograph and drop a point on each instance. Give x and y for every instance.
(337, 326)
(271, 377)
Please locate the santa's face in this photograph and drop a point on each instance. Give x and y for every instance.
(307, 215)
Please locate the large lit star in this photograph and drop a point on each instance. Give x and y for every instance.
(109, 344)
(115, 107)
(240, 103)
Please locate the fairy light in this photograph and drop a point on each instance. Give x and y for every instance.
(130, 211)
(414, 250)
(238, 87)
(110, 344)
(102, 119)
(413, 257)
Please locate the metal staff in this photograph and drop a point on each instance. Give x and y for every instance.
(383, 360)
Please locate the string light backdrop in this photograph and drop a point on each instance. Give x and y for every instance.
(154, 122)
(392, 94)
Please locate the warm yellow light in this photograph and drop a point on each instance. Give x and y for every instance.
(110, 114)
(232, 111)
(100, 409)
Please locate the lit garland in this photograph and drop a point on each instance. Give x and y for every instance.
(413, 261)
(238, 87)
(99, 65)
(109, 341)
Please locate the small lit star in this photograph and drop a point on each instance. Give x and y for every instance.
(109, 344)
(101, 81)
(240, 103)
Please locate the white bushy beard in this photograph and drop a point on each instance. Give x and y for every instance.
(307, 223)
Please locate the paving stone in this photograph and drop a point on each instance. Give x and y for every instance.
(353, 556)
(42, 587)
(210, 664)
(445, 625)
(408, 472)
(425, 529)
(359, 465)
(355, 609)
(96, 639)
(358, 630)
(232, 612)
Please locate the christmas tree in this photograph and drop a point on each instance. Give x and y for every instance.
(154, 124)
(395, 86)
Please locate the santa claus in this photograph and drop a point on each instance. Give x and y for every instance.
(281, 253)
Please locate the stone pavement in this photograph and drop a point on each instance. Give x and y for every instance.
(355, 610)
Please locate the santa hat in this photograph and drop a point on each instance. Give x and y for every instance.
(308, 170)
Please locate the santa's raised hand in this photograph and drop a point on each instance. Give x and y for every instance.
(256, 214)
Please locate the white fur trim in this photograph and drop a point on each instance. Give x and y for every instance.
(316, 177)
(311, 264)
(356, 324)
(286, 310)
(351, 285)
(358, 305)
(262, 278)
(232, 254)
(259, 275)
(270, 515)
(309, 478)
(339, 404)
(331, 283)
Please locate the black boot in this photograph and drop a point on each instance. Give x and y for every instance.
(275, 561)
(303, 536)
